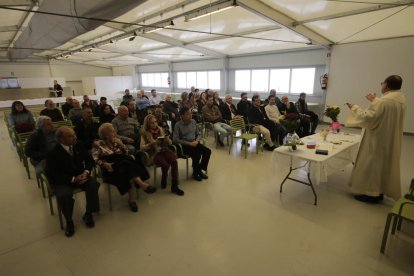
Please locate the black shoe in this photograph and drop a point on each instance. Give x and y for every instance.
(88, 219)
(70, 229)
(150, 189)
(177, 191)
(133, 206)
(197, 177)
(203, 175)
(220, 143)
(369, 199)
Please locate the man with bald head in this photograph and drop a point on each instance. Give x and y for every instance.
(68, 166)
(127, 129)
(51, 111)
(67, 106)
(171, 108)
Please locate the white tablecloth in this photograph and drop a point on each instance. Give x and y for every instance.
(343, 151)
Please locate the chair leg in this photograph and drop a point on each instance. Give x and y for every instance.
(399, 223)
(155, 175)
(109, 196)
(394, 224)
(186, 162)
(386, 230)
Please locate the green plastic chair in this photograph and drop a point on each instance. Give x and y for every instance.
(237, 126)
(403, 209)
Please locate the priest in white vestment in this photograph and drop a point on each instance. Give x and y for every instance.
(377, 168)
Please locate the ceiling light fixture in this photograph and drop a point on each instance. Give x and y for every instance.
(210, 10)
(111, 41)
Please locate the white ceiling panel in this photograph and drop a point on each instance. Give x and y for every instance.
(101, 31)
(9, 17)
(175, 53)
(237, 46)
(306, 9)
(384, 25)
(96, 54)
(6, 36)
(340, 21)
(234, 20)
(137, 45)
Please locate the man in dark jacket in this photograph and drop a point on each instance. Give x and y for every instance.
(244, 106)
(40, 143)
(86, 128)
(262, 123)
(68, 166)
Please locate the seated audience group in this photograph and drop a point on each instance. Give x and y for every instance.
(160, 130)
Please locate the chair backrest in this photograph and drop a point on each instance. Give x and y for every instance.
(410, 194)
(237, 124)
(21, 137)
(67, 123)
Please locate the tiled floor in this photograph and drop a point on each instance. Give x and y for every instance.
(235, 223)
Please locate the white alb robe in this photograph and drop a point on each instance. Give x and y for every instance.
(377, 168)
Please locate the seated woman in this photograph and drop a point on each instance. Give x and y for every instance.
(155, 142)
(20, 118)
(118, 167)
(106, 115)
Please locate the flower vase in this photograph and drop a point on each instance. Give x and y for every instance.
(335, 126)
(292, 139)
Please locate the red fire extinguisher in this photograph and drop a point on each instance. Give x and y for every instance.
(169, 81)
(324, 81)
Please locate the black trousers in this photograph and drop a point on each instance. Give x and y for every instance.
(64, 196)
(314, 120)
(200, 155)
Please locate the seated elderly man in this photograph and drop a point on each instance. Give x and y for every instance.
(302, 107)
(75, 114)
(286, 107)
(154, 98)
(127, 96)
(51, 111)
(142, 103)
(40, 143)
(186, 133)
(264, 126)
(87, 102)
(171, 108)
(228, 110)
(127, 129)
(87, 129)
(273, 114)
(212, 114)
(133, 111)
(68, 166)
(67, 106)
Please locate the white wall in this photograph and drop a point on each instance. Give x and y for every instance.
(69, 71)
(111, 87)
(358, 68)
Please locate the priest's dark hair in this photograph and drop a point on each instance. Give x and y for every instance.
(394, 82)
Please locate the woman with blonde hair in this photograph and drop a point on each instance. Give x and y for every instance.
(155, 143)
(118, 168)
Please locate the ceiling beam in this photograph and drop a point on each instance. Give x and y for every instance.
(181, 44)
(139, 55)
(284, 21)
(11, 28)
(15, 3)
(219, 37)
(24, 22)
(374, 8)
